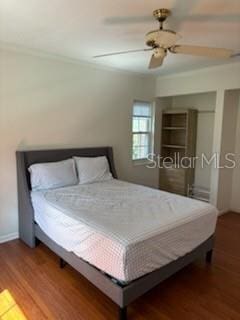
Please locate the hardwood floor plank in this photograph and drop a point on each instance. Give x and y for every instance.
(198, 292)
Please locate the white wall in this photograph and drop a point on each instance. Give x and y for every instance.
(47, 103)
(235, 199)
(217, 78)
(229, 125)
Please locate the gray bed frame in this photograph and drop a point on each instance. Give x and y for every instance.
(31, 233)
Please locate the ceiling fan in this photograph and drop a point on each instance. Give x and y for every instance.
(162, 40)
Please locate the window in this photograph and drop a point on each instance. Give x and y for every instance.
(142, 130)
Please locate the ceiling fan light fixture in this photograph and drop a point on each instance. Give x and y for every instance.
(162, 38)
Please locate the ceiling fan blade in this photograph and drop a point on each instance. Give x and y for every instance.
(207, 17)
(202, 51)
(155, 62)
(235, 55)
(128, 20)
(121, 52)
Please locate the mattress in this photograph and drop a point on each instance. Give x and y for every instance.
(125, 230)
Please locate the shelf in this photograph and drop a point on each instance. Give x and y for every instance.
(174, 128)
(176, 111)
(173, 146)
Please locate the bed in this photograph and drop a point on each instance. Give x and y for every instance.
(113, 232)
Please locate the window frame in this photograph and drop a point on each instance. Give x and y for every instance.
(150, 133)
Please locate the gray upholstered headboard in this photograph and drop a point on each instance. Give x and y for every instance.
(27, 158)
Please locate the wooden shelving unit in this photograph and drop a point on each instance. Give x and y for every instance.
(178, 143)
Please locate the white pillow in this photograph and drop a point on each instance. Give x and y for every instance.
(92, 169)
(52, 175)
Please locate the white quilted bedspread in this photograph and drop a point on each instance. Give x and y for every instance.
(126, 230)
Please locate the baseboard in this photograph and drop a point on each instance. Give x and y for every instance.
(9, 237)
(221, 212)
(235, 210)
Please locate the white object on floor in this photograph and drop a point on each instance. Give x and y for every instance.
(126, 230)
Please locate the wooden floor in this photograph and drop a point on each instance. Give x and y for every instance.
(44, 291)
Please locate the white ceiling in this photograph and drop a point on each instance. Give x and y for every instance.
(81, 29)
